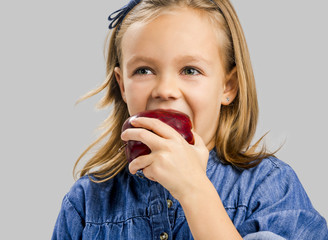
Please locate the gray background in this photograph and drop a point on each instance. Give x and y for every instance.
(51, 53)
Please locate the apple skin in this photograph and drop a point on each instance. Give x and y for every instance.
(177, 120)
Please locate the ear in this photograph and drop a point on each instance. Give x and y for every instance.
(230, 87)
(119, 78)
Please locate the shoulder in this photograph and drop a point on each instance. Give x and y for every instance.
(87, 186)
(269, 169)
(270, 166)
(103, 202)
(268, 183)
(264, 169)
(276, 179)
(278, 203)
(267, 198)
(86, 195)
(82, 187)
(78, 195)
(279, 192)
(274, 182)
(274, 173)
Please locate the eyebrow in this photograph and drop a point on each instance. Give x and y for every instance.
(181, 58)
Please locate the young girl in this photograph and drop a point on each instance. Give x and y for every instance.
(190, 56)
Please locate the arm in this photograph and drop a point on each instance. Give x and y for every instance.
(206, 215)
(279, 205)
(181, 169)
(69, 224)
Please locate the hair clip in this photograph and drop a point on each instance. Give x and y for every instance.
(117, 17)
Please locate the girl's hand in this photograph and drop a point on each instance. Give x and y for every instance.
(173, 162)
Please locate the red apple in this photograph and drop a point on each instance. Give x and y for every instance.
(178, 120)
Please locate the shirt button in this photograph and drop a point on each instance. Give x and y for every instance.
(169, 203)
(164, 236)
(140, 173)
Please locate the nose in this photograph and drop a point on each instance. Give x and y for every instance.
(166, 88)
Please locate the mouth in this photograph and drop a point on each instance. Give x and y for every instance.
(171, 110)
(174, 118)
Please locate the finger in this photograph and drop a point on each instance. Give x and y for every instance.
(145, 136)
(157, 126)
(140, 163)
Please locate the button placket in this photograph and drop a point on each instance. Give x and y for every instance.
(171, 207)
(158, 212)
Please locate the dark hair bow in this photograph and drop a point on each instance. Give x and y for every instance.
(117, 17)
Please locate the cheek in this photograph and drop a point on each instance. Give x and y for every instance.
(206, 122)
(206, 115)
(205, 106)
(204, 97)
(136, 96)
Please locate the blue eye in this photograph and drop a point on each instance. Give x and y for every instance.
(190, 71)
(143, 71)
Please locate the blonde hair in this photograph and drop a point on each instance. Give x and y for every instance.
(237, 123)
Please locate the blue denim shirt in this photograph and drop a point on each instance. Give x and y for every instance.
(265, 202)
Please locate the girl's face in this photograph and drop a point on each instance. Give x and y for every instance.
(174, 62)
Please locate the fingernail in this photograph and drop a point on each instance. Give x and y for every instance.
(122, 136)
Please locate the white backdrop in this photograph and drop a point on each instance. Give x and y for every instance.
(51, 53)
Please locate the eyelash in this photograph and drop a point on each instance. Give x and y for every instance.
(184, 69)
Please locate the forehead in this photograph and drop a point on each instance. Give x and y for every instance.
(173, 33)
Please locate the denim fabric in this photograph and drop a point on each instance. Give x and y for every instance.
(265, 202)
